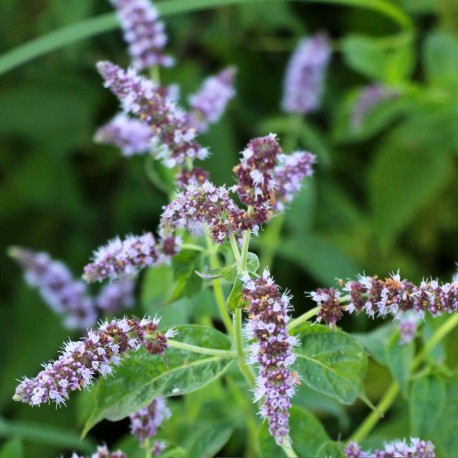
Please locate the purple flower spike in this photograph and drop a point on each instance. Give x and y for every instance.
(57, 287)
(122, 258)
(143, 32)
(408, 328)
(289, 174)
(131, 136)
(102, 452)
(197, 176)
(396, 449)
(81, 362)
(200, 205)
(268, 315)
(256, 176)
(303, 86)
(172, 138)
(209, 103)
(145, 422)
(117, 296)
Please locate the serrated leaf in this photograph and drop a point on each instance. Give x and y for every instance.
(234, 301)
(399, 359)
(426, 403)
(306, 432)
(332, 363)
(142, 377)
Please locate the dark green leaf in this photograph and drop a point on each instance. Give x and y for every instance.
(234, 301)
(426, 403)
(319, 257)
(142, 377)
(188, 284)
(379, 59)
(229, 273)
(209, 438)
(375, 342)
(332, 363)
(12, 449)
(405, 176)
(441, 59)
(307, 435)
(399, 359)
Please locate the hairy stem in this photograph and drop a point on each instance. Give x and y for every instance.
(239, 348)
(303, 318)
(202, 350)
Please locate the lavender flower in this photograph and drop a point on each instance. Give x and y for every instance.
(170, 246)
(303, 86)
(256, 176)
(368, 98)
(80, 362)
(200, 205)
(131, 136)
(268, 315)
(145, 422)
(102, 452)
(171, 135)
(57, 287)
(143, 32)
(117, 296)
(396, 449)
(289, 174)
(121, 258)
(392, 296)
(209, 103)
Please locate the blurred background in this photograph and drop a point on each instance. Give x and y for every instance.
(384, 196)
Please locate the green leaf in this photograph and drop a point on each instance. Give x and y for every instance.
(47, 434)
(332, 450)
(142, 377)
(426, 403)
(399, 359)
(405, 176)
(12, 449)
(229, 273)
(234, 301)
(382, 59)
(319, 257)
(331, 362)
(209, 438)
(161, 176)
(307, 435)
(441, 59)
(252, 263)
(188, 284)
(375, 342)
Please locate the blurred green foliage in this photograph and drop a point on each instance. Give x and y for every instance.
(383, 197)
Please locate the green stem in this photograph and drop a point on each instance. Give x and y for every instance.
(239, 348)
(235, 250)
(244, 252)
(191, 246)
(303, 318)
(269, 242)
(148, 448)
(218, 289)
(393, 390)
(202, 350)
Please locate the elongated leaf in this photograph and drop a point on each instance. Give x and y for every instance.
(46, 434)
(142, 377)
(12, 449)
(188, 283)
(209, 438)
(307, 435)
(332, 363)
(426, 404)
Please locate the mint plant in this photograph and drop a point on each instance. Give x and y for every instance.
(247, 359)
